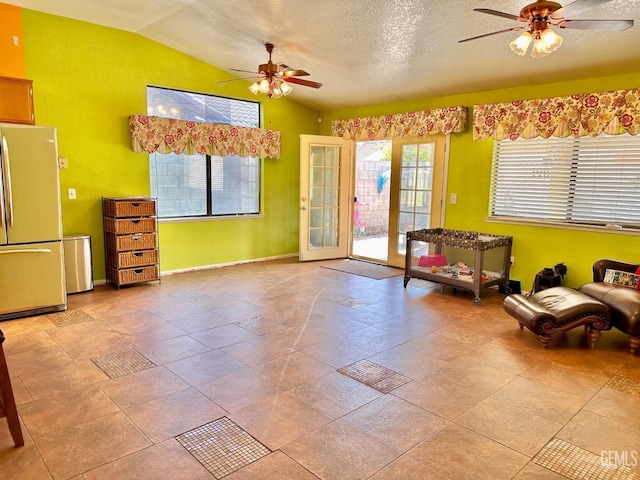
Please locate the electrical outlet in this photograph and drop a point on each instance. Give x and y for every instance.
(512, 261)
(72, 193)
(453, 198)
(62, 162)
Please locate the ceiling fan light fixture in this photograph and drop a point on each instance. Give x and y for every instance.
(255, 88)
(520, 44)
(275, 89)
(264, 86)
(551, 40)
(539, 49)
(285, 88)
(272, 78)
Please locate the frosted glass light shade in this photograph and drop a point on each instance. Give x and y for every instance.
(520, 44)
(285, 88)
(551, 40)
(264, 86)
(539, 49)
(254, 88)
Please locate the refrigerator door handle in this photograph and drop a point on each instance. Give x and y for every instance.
(8, 197)
(26, 250)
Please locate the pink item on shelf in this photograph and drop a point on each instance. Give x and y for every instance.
(432, 260)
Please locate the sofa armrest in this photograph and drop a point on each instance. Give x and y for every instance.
(601, 266)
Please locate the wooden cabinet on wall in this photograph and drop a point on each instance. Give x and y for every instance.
(16, 101)
(131, 240)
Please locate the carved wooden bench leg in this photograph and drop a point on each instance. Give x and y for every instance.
(545, 339)
(594, 336)
(634, 345)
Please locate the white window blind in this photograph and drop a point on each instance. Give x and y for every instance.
(587, 180)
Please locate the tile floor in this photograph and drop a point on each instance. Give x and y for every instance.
(260, 371)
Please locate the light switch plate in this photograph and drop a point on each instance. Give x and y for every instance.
(72, 193)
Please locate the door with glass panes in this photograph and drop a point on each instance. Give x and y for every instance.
(325, 172)
(417, 182)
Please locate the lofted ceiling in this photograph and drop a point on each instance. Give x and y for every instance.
(368, 52)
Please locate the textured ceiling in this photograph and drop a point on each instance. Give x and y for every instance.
(368, 52)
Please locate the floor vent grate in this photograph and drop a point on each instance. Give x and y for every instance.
(579, 464)
(123, 363)
(70, 317)
(624, 384)
(222, 447)
(375, 376)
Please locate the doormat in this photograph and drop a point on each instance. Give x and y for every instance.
(365, 269)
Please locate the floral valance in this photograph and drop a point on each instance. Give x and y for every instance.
(418, 124)
(166, 135)
(581, 115)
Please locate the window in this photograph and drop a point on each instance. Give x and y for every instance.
(587, 180)
(204, 185)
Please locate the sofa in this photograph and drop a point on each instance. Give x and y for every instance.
(623, 301)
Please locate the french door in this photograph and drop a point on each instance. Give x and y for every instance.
(325, 191)
(418, 167)
(327, 225)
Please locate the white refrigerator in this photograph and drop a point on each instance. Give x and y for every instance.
(31, 252)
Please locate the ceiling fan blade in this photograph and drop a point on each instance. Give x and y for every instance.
(294, 73)
(243, 71)
(239, 78)
(490, 34)
(611, 25)
(576, 8)
(306, 83)
(500, 14)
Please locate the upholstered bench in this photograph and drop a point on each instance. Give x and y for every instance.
(558, 310)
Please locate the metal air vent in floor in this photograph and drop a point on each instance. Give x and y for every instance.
(70, 317)
(375, 376)
(222, 447)
(579, 464)
(122, 363)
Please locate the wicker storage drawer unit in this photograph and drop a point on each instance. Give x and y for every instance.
(132, 259)
(131, 240)
(120, 226)
(129, 207)
(127, 276)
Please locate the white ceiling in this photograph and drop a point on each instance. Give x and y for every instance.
(368, 52)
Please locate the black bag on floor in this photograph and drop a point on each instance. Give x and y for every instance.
(550, 277)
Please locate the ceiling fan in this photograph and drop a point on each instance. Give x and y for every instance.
(273, 79)
(539, 16)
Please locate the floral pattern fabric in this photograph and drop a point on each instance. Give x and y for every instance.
(165, 135)
(461, 238)
(589, 114)
(418, 124)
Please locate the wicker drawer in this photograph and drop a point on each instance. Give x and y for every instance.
(139, 241)
(129, 225)
(129, 207)
(131, 259)
(133, 275)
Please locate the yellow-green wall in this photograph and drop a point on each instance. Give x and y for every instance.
(88, 79)
(469, 176)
